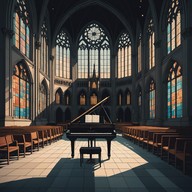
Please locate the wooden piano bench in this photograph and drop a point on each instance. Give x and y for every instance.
(90, 151)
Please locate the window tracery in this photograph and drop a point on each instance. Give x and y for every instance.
(93, 51)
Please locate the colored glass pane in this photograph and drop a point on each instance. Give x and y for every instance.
(21, 93)
(174, 92)
(173, 25)
(93, 51)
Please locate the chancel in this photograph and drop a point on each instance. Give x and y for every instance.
(95, 95)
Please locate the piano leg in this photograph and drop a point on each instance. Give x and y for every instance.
(72, 148)
(109, 148)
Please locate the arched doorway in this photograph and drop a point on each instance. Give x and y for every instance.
(59, 115)
(127, 115)
(67, 115)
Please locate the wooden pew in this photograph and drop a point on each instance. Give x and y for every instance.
(8, 145)
(23, 144)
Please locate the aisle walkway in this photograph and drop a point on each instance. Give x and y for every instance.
(130, 168)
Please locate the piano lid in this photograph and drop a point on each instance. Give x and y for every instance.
(92, 109)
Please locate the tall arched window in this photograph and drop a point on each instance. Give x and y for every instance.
(128, 98)
(93, 99)
(139, 55)
(62, 68)
(82, 98)
(44, 49)
(152, 100)
(67, 98)
(119, 98)
(124, 56)
(173, 25)
(22, 27)
(21, 92)
(151, 41)
(59, 96)
(43, 99)
(174, 92)
(93, 51)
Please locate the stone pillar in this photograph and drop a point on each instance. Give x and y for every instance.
(52, 91)
(113, 88)
(158, 85)
(7, 36)
(187, 77)
(36, 78)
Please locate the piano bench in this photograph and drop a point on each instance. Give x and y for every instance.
(90, 151)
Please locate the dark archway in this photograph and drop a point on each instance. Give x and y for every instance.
(127, 115)
(67, 115)
(59, 115)
(120, 115)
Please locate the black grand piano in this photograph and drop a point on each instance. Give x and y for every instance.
(91, 131)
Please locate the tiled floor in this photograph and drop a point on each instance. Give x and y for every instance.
(130, 168)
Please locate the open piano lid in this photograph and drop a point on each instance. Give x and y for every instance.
(92, 109)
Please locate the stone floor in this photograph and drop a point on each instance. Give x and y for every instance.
(130, 168)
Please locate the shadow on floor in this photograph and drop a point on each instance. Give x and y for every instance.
(68, 176)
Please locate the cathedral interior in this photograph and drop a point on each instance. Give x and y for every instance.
(121, 70)
(59, 58)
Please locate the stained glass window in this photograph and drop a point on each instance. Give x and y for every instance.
(174, 25)
(43, 100)
(62, 56)
(124, 56)
(151, 41)
(152, 100)
(93, 51)
(44, 49)
(174, 92)
(139, 55)
(21, 27)
(21, 92)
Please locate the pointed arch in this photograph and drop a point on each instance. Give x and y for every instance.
(59, 96)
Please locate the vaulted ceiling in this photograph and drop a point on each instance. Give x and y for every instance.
(112, 14)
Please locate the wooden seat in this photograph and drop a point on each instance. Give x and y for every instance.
(8, 145)
(23, 144)
(90, 151)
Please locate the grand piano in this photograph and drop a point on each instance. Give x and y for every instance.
(91, 131)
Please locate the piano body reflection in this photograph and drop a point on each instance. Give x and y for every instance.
(91, 131)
